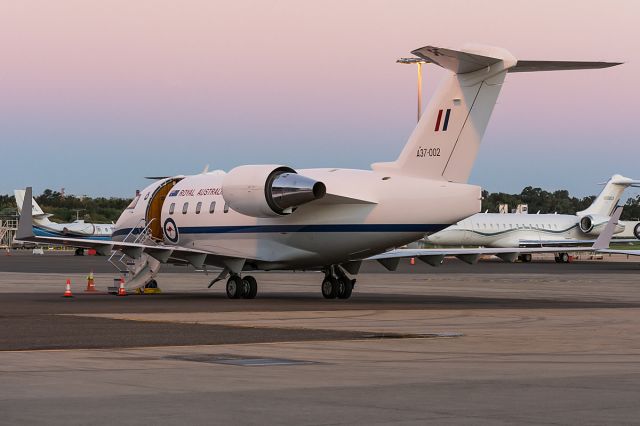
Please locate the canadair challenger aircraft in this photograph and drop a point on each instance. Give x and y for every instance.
(536, 230)
(275, 217)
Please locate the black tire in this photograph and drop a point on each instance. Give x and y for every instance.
(234, 287)
(329, 287)
(345, 288)
(79, 252)
(564, 257)
(250, 287)
(636, 231)
(151, 284)
(526, 258)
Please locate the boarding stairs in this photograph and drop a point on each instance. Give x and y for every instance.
(7, 231)
(140, 271)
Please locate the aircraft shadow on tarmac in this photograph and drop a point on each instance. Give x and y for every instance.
(47, 303)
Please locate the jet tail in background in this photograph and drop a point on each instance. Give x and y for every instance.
(36, 211)
(607, 200)
(445, 143)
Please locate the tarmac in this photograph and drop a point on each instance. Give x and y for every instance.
(493, 343)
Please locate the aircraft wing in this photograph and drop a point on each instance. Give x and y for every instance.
(434, 256)
(616, 251)
(161, 252)
(549, 243)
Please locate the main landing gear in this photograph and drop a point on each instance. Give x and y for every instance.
(563, 258)
(242, 287)
(337, 284)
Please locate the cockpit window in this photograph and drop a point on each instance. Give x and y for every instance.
(132, 204)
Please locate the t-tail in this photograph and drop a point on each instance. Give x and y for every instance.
(445, 143)
(36, 211)
(607, 200)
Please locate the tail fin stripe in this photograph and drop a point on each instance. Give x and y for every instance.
(438, 120)
(446, 120)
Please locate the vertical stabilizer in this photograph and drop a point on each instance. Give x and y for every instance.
(36, 210)
(445, 143)
(607, 200)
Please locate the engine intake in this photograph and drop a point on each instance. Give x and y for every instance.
(269, 190)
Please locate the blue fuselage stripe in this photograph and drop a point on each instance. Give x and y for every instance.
(265, 229)
(43, 232)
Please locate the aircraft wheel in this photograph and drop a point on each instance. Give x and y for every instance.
(250, 287)
(329, 287)
(234, 287)
(345, 288)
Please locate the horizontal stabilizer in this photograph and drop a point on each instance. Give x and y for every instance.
(454, 60)
(532, 66)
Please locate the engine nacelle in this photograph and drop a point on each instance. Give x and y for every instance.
(268, 190)
(591, 224)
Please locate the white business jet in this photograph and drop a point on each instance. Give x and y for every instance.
(44, 227)
(537, 230)
(276, 217)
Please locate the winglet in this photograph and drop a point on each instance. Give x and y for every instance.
(25, 226)
(605, 236)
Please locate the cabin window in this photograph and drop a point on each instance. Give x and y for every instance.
(185, 207)
(172, 208)
(198, 207)
(226, 208)
(212, 207)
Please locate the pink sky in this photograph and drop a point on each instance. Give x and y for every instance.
(186, 83)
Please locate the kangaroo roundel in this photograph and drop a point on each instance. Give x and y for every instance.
(171, 230)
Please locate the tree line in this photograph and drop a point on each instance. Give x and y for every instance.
(66, 208)
(561, 202)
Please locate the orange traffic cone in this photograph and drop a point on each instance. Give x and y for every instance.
(67, 291)
(121, 290)
(91, 285)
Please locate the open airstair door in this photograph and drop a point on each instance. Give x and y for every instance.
(154, 207)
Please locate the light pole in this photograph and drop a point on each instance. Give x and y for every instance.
(419, 62)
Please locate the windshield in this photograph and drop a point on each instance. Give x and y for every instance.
(133, 203)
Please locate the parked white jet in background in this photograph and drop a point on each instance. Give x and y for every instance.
(275, 217)
(44, 227)
(538, 230)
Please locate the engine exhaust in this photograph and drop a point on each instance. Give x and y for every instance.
(285, 191)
